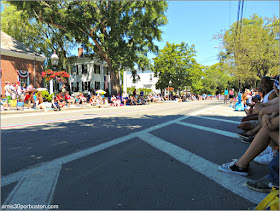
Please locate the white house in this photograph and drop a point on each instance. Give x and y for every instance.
(87, 74)
(147, 80)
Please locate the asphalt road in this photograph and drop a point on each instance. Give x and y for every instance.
(159, 156)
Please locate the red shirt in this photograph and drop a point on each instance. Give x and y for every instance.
(27, 97)
(67, 97)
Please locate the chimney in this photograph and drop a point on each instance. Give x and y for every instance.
(80, 52)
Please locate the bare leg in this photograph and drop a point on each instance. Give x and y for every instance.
(245, 126)
(260, 142)
(254, 130)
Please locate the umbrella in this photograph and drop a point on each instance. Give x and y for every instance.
(100, 91)
(41, 89)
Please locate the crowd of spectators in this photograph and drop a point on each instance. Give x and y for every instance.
(261, 130)
(31, 98)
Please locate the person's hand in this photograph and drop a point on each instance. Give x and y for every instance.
(267, 123)
(257, 108)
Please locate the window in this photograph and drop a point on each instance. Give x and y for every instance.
(74, 86)
(74, 70)
(23, 81)
(77, 88)
(97, 69)
(97, 85)
(77, 69)
(151, 77)
(106, 70)
(84, 68)
(86, 86)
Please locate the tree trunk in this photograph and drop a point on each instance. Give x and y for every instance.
(115, 83)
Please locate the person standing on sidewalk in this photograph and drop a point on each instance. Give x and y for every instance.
(231, 97)
(226, 96)
(8, 91)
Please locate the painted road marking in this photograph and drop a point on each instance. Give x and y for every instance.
(217, 119)
(35, 189)
(234, 183)
(14, 177)
(209, 129)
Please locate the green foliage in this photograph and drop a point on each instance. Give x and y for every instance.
(38, 36)
(252, 51)
(215, 80)
(175, 66)
(119, 32)
(46, 96)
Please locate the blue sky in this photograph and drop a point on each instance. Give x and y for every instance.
(196, 22)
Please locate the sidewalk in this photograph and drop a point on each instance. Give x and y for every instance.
(27, 110)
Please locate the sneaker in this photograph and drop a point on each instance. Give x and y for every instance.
(233, 168)
(264, 159)
(248, 140)
(243, 135)
(262, 185)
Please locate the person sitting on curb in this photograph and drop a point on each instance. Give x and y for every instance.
(59, 97)
(39, 102)
(269, 131)
(4, 103)
(69, 99)
(99, 101)
(268, 94)
(56, 104)
(269, 134)
(250, 123)
(114, 100)
(81, 98)
(270, 180)
(29, 99)
(125, 98)
(92, 100)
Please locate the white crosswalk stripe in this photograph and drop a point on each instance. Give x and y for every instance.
(209, 129)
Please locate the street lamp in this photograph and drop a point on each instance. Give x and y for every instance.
(54, 60)
(169, 84)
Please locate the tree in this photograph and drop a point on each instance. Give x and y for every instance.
(215, 79)
(175, 63)
(40, 37)
(251, 51)
(118, 32)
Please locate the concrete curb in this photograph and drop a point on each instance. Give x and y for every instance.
(40, 111)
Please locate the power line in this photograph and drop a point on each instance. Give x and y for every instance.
(207, 60)
(209, 57)
(238, 10)
(241, 15)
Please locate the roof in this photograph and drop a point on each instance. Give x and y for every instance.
(12, 47)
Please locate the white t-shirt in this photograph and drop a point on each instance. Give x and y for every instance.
(265, 98)
(19, 91)
(14, 92)
(7, 88)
